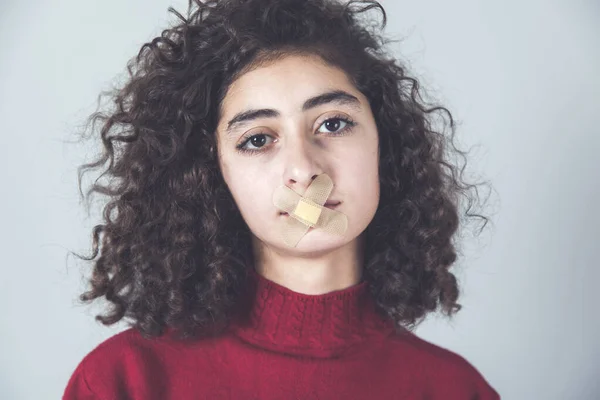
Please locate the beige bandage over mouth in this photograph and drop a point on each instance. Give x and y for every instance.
(308, 212)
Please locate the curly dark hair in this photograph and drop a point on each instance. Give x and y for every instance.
(173, 251)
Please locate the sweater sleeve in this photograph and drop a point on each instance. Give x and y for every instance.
(77, 387)
(485, 392)
(465, 382)
(453, 377)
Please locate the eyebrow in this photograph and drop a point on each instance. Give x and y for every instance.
(336, 96)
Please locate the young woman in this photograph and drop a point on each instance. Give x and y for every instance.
(231, 295)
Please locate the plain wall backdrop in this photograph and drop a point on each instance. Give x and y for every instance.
(522, 79)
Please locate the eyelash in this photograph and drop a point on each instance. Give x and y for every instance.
(349, 125)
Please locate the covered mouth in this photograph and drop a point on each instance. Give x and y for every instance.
(331, 204)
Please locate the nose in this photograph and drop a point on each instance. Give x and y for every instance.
(302, 165)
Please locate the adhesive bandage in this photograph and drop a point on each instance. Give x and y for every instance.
(307, 210)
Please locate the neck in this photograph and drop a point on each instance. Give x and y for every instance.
(331, 325)
(311, 273)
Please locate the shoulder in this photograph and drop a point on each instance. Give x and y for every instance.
(96, 364)
(441, 368)
(120, 348)
(129, 348)
(428, 353)
(129, 359)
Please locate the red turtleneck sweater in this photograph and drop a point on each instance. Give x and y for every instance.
(293, 346)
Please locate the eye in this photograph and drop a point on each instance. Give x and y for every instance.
(257, 141)
(332, 124)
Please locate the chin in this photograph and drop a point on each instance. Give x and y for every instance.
(318, 241)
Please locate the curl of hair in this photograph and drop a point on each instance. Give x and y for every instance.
(173, 251)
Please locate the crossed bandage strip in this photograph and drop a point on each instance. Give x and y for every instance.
(307, 210)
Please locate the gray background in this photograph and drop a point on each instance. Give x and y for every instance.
(521, 78)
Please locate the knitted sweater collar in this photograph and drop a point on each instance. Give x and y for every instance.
(322, 326)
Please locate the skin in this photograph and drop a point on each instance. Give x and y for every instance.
(292, 149)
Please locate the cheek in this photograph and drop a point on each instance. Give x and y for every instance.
(253, 198)
(362, 178)
(250, 190)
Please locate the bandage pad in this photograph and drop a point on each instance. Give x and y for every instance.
(307, 210)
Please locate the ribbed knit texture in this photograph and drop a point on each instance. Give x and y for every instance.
(323, 326)
(289, 346)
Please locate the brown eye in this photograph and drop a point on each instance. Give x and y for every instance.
(255, 142)
(258, 140)
(333, 125)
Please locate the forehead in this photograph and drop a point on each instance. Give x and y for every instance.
(283, 83)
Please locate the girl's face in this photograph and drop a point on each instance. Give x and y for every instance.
(285, 123)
